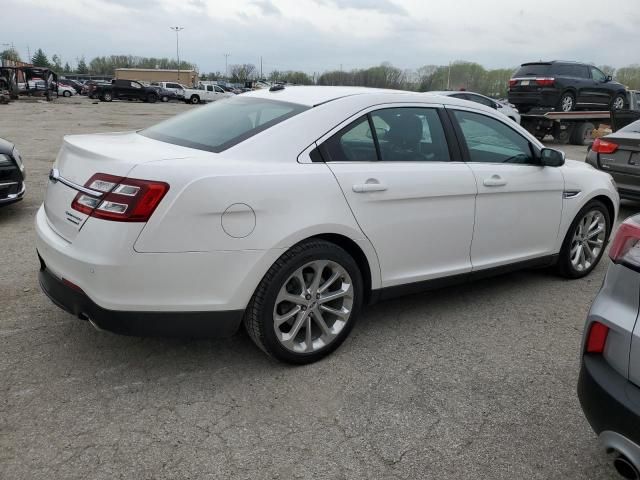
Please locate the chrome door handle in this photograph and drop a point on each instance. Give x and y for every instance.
(494, 181)
(371, 185)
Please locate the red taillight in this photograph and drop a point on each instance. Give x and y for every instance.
(545, 81)
(513, 82)
(604, 146)
(597, 338)
(625, 248)
(124, 199)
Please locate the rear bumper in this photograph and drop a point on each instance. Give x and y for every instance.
(540, 99)
(183, 324)
(611, 404)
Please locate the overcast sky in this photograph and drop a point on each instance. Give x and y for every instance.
(319, 35)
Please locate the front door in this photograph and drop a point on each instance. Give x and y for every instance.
(519, 203)
(410, 193)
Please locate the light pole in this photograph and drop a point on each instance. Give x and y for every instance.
(226, 69)
(177, 30)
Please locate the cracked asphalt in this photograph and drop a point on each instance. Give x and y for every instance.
(476, 381)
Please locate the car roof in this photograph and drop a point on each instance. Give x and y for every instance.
(552, 62)
(312, 96)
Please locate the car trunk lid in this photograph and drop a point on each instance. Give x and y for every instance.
(625, 159)
(81, 157)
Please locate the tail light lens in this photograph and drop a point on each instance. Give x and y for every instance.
(604, 146)
(513, 82)
(545, 81)
(625, 248)
(597, 338)
(125, 199)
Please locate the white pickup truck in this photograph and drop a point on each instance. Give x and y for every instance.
(201, 94)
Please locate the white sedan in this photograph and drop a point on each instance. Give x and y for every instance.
(290, 208)
(66, 90)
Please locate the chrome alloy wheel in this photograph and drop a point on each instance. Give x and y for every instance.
(567, 103)
(313, 306)
(618, 103)
(588, 240)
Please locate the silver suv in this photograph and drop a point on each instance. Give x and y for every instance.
(609, 384)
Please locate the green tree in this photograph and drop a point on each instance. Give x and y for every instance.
(10, 54)
(67, 68)
(56, 62)
(40, 59)
(82, 67)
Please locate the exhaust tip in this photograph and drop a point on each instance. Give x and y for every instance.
(625, 468)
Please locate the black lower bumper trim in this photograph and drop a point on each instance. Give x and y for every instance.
(161, 324)
(608, 399)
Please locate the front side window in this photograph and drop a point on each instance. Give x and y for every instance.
(135, 85)
(597, 75)
(491, 141)
(222, 124)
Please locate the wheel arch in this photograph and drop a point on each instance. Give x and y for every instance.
(607, 203)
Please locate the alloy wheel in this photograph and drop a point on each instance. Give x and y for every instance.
(588, 240)
(567, 103)
(313, 306)
(618, 103)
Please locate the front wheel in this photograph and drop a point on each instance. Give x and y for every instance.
(152, 98)
(195, 99)
(106, 97)
(66, 93)
(306, 304)
(585, 242)
(618, 102)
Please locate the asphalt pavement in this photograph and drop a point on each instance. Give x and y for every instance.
(472, 382)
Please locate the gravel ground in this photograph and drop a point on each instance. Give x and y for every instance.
(476, 381)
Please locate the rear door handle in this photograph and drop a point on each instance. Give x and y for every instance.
(371, 185)
(494, 181)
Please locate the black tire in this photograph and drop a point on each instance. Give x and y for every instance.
(258, 319)
(581, 134)
(66, 93)
(152, 98)
(194, 100)
(618, 102)
(567, 102)
(106, 97)
(564, 267)
(164, 99)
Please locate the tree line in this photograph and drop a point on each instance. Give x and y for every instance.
(455, 76)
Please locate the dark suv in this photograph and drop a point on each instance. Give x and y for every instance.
(565, 86)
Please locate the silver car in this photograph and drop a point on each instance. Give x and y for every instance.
(609, 383)
(505, 108)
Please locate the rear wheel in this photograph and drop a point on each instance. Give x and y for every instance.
(165, 99)
(306, 304)
(66, 93)
(195, 99)
(581, 134)
(585, 242)
(618, 102)
(152, 98)
(106, 97)
(567, 102)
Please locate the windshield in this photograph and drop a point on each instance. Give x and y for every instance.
(222, 124)
(533, 70)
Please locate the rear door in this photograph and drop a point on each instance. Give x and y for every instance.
(411, 194)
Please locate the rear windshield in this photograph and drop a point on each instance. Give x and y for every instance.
(222, 124)
(632, 127)
(533, 70)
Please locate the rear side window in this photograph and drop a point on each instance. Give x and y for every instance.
(402, 134)
(491, 141)
(573, 71)
(222, 124)
(533, 70)
(481, 100)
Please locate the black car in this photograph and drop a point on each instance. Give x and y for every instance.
(565, 86)
(11, 173)
(618, 154)
(126, 90)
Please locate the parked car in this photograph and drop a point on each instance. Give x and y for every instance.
(609, 382)
(565, 86)
(90, 87)
(77, 86)
(619, 155)
(12, 174)
(301, 205)
(174, 87)
(66, 90)
(126, 90)
(503, 108)
(163, 94)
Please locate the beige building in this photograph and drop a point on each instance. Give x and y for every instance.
(186, 77)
